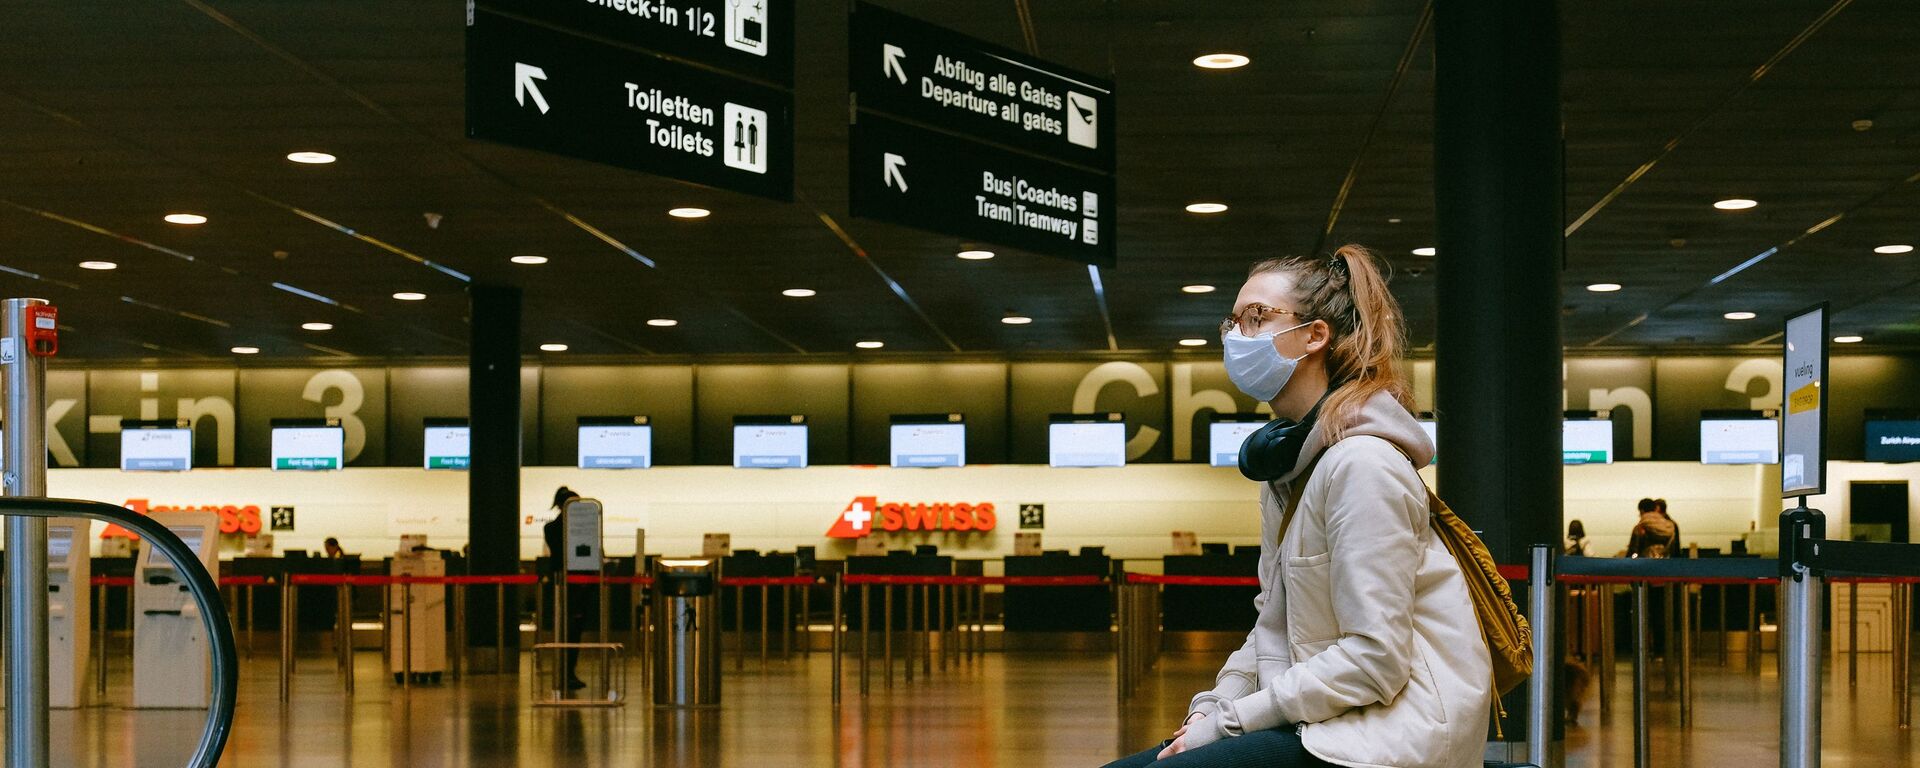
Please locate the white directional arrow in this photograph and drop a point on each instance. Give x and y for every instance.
(892, 172)
(892, 65)
(523, 85)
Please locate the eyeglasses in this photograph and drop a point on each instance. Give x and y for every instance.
(1253, 317)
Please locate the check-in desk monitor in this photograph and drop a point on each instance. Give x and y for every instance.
(1586, 441)
(616, 442)
(1746, 437)
(1087, 440)
(170, 656)
(770, 442)
(155, 447)
(1892, 436)
(447, 443)
(1227, 431)
(69, 609)
(308, 444)
(932, 440)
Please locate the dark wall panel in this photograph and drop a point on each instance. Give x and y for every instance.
(664, 393)
(1137, 389)
(722, 392)
(978, 390)
(358, 397)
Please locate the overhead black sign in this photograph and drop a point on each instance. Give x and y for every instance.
(533, 87)
(750, 37)
(926, 179)
(909, 68)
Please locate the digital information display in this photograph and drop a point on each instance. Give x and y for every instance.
(1224, 438)
(1893, 440)
(616, 446)
(156, 450)
(309, 448)
(447, 447)
(152, 557)
(929, 445)
(769, 446)
(1099, 444)
(1586, 442)
(1739, 441)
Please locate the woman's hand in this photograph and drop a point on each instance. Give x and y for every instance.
(1178, 746)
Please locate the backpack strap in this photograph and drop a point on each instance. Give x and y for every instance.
(1295, 490)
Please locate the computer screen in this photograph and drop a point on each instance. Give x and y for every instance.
(191, 535)
(447, 446)
(309, 448)
(928, 442)
(59, 544)
(1893, 439)
(1586, 441)
(1087, 444)
(1225, 434)
(626, 444)
(759, 444)
(1739, 441)
(156, 450)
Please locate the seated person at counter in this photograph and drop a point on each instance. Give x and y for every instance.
(1367, 650)
(332, 548)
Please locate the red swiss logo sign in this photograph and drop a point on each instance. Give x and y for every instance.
(865, 514)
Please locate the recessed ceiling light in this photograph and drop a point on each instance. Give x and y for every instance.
(975, 255)
(185, 218)
(1425, 251)
(1197, 288)
(1193, 342)
(662, 322)
(410, 296)
(1604, 287)
(689, 213)
(869, 344)
(798, 293)
(1893, 250)
(99, 265)
(1206, 207)
(528, 260)
(311, 158)
(246, 350)
(316, 326)
(1012, 319)
(553, 347)
(1739, 315)
(1734, 204)
(1221, 61)
(1848, 339)
(1394, 220)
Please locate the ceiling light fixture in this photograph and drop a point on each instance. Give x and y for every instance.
(316, 326)
(1197, 288)
(1734, 204)
(410, 296)
(311, 158)
(1604, 287)
(1425, 251)
(1848, 339)
(1204, 208)
(100, 266)
(662, 322)
(799, 293)
(246, 350)
(1893, 250)
(689, 213)
(528, 260)
(185, 218)
(869, 344)
(1193, 342)
(1739, 315)
(553, 347)
(1013, 319)
(975, 255)
(1222, 61)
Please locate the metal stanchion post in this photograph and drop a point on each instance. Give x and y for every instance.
(1853, 634)
(1121, 668)
(1753, 627)
(1903, 653)
(886, 634)
(500, 636)
(406, 637)
(1800, 624)
(1604, 597)
(838, 594)
(460, 627)
(763, 627)
(806, 620)
(288, 593)
(911, 641)
(941, 628)
(866, 632)
(345, 622)
(249, 589)
(1641, 750)
(1540, 685)
(926, 629)
(100, 639)
(1720, 621)
(786, 622)
(739, 629)
(1685, 597)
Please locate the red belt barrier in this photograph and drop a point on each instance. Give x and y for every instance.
(591, 579)
(245, 581)
(112, 581)
(767, 581)
(1194, 581)
(1873, 579)
(1008, 581)
(1514, 572)
(328, 579)
(1572, 579)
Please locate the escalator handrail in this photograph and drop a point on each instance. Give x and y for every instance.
(213, 613)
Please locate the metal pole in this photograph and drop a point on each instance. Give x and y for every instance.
(500, 636)
(1903, 650)
(806, 620)
(763, 627)
(1641, 756)
(1603, 595)
(1540, 684)
(288, 591)
(886, 633)
(866, 632)
(1801, 529)
(1853, 634)
(460, 628)
(910, 642)
(1753, 627)
(100, 639)
(1685, 597)
(739, 629)
(839, 591)
(406, 636)
(25, 474)
(346, 634)
(1121, 667)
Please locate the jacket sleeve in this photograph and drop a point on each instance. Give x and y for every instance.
(1238, 677)
(1373, 505)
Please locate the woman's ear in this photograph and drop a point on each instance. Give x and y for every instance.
(1319, 336)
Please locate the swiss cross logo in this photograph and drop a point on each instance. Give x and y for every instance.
(857, 520)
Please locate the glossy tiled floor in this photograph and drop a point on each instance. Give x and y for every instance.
(1020, 710)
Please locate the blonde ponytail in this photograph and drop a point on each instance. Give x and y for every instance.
(1349, 291)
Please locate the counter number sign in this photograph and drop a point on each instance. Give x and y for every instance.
(1033, 516)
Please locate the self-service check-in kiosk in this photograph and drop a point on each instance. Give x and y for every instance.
(69, 610)
(417, 613)
(170, 654)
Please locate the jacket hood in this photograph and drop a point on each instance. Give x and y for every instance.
(1382, 417)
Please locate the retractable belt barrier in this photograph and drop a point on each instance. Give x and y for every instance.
(1808, 559)
(343, 620)
(792, 626)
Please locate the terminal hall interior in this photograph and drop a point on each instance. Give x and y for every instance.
(901, 383)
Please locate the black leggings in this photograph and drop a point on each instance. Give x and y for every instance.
(1275, 748)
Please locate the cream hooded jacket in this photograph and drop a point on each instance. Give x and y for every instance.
(1366, 637)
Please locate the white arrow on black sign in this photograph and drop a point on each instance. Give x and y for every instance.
(890, 65)
(891, 173)
(523, 85)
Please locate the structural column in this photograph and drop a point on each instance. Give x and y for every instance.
(493, 476)
(1498, 199)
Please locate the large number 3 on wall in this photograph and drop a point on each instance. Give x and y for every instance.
(352, 395)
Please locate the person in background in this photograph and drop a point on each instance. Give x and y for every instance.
(1578, 545)
(332, 548)
(578, 598)
(1655, 535)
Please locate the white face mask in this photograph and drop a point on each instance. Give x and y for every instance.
(1256, 366)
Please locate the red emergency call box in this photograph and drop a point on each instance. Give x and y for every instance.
(43, 330)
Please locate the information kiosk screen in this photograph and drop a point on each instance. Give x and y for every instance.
(309, 448)
(625, 445)
(1739, 441)
(1087, 444)
(1587, 442)
(761, 445)
(156, 450)
(447, 446)
(939, 441)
